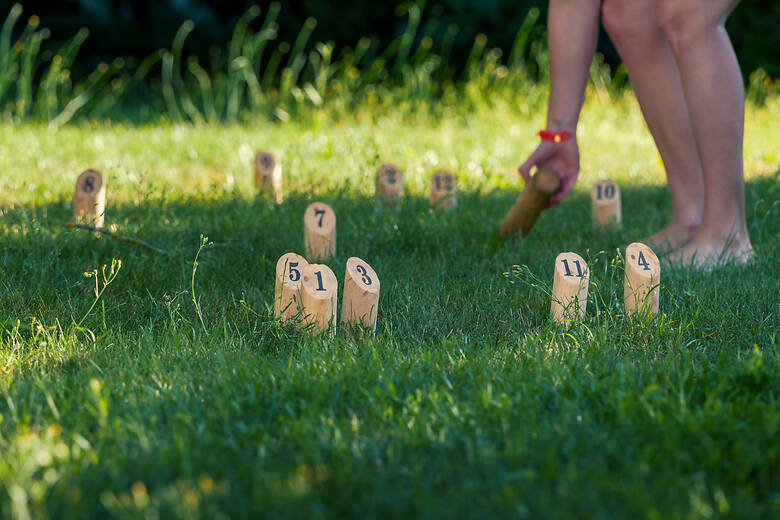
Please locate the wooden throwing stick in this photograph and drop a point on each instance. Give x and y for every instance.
(444, 190)
(319, 293)
(570, 288)
(605, 203)
(643, 274)
(287, 292)
(360, 303)
(268, 175)
(89, 201)
(319, 231)
(531, 202)
(389, 184)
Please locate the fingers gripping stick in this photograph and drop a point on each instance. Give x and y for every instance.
(529, 205)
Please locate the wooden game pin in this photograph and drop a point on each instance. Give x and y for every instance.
(444, 190)
(268, 174)
(89, 201)
(319, 290)
(389, 183)
(319, 231)
(605, 202)
(531, 202)
(570, 288)
(361, 294)
(287, 293)
(643, 273)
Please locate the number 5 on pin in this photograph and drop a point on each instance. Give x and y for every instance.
(287, 293)
(319, 231)
(361, 294)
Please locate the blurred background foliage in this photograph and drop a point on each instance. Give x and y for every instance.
(138, 27)
(199, 60)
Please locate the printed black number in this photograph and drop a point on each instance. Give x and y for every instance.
(362, 270)
(643, 261)
(608, 191)
(318, 274)
(295, 274)
(568, 271)
(89, 184)
(319, 213)
(447, 182)
(390, 175)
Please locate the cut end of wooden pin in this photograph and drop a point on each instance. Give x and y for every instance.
(531, 202)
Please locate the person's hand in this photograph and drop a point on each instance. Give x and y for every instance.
(562, 157)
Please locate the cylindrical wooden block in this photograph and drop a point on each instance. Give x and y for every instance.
(268, 175)
(389, 183)
(361, 294)
(605, 201)
(319, 231)
(287, 293)
(531, 202)
(89, 201)
(319, 292)
(643, 274)
(444, 190)
(570, 288)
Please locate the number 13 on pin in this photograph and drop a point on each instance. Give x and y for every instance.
(319, 231)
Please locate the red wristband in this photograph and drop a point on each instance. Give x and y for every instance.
(556, 137)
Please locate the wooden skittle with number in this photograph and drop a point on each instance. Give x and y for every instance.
(605, 203)
(287, 293)
(268, 175)
(89, 201)
(643, 274)
(319, 231)
(389, 184)
(319, 292)
(531, 202)
(361, 294)
(570, 288)
(444, 190)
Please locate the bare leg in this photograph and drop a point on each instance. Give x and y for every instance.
(651, 65)
(715, 98)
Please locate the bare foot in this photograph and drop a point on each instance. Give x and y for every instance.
(706, 252)
(671, 238)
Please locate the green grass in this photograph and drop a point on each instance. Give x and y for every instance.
(467, 402)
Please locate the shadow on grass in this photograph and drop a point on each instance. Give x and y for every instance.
(440, 276)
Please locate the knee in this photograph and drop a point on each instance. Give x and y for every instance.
(627, 22)
(684, 22)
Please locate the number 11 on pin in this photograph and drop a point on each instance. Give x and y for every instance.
(570, 288)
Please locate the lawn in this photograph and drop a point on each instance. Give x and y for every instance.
(467, 402)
